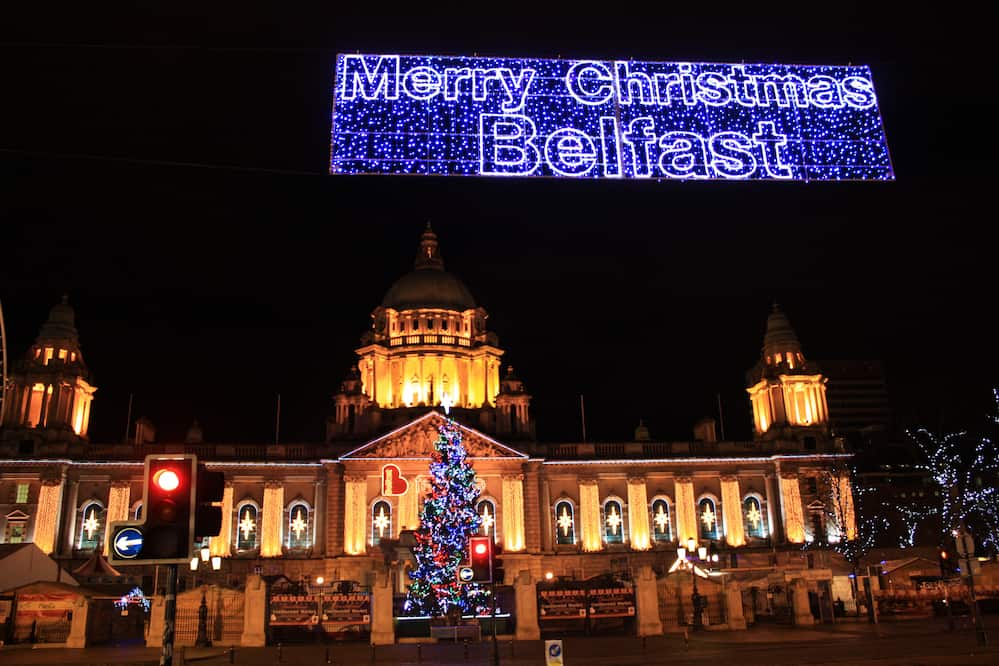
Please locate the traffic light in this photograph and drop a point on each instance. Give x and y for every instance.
(498, 571)
(948, 564)
(167, 508)
(207, 517)
(165, 534)
(480, 558)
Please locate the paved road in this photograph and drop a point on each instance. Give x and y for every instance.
(912, 643)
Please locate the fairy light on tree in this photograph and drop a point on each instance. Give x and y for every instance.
(965, 467)
(447, 520)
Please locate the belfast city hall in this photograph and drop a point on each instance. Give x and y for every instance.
(639, 537)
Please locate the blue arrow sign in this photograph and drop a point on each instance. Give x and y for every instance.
(127, 543)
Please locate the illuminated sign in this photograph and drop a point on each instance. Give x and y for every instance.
(443, 115)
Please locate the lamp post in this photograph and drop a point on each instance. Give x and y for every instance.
(687, 556)
(320, 629)
(201, 640)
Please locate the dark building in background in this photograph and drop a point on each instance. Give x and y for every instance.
(859, 408)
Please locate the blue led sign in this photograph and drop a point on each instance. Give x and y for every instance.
(444, 115)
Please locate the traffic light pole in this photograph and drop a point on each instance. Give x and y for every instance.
(169, 615)
(492, 591)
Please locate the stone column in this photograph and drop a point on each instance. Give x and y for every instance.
(647, 602)
(220, 545)
(733, 606)
(790, 503)
(774, 518)
(318, 517)
(118, 498)
(589, 515)
(157, 619)
(732, 510)
(532, 507)
(382, 628)
(254, 613)
(845, 514)
(513, 512)
(78, 627)
(273, 520)
(526, 595)
(334, 510)
(686, 510)
(545, 506)
(638, 514)
(355, 514)
(799, 603)
(43, 411)
(69, 517)
(46, 532)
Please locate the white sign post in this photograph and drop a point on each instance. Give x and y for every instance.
(553, 653)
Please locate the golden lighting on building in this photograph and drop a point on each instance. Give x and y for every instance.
(270, 528)
(845, 515)
(732, 509)
(794, 520)
(638, 515)
(49, 508)
(355, 515)
(686, 511)
(409, 506)
(513, 513)
(118, 498)
(589, 516)
(219, 546)
(797, 400)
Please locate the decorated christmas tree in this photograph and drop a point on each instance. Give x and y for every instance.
(447, 520)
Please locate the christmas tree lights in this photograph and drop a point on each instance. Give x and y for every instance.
(447, 520)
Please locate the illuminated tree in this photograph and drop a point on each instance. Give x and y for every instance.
(964, 466)
(447, 520)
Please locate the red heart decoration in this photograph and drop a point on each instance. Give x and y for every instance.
(393, 482)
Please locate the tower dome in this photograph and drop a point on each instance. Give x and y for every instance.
(428, 285)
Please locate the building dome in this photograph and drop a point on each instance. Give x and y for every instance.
(428, 285)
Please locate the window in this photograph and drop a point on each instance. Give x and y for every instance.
(613, 519)
(247, 527)
(381, 521)
(565, 525)
(707, 516)
(753, 518)
(299, 527)
(444, 324)
(138, 511)
(487, 513)
(662, 529)
(15, 531)
(92, 516)
(811, 485)
(22, 493)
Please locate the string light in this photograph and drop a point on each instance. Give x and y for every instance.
(598, 119)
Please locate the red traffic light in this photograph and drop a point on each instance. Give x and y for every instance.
(481, 559)
(943, 554)
(166, 480)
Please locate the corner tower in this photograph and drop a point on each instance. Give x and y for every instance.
(428, 343)
(788, 393)
(49, 397)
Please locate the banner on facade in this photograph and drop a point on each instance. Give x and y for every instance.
(476, 116)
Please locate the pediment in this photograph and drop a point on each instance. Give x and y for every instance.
(416, 440)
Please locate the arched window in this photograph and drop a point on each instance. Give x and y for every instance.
(381, 521)
(707, 517)
(487, 513)
(662, 526)
(613, 520)
(299, 525)
(247, 527)
(93, 516)
(754, 518)
(565, 523)
(137, 513)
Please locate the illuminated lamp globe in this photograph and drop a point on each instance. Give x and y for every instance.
(320, 580)
(166, 479)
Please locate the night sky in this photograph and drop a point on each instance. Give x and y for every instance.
(169, 172)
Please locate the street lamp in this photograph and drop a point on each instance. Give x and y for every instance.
(320, 614)
(686, 556)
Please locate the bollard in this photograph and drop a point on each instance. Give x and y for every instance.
(372, 653)
(511, 649)
(686, 642)
(466, 649)
(643, 644)
(419, 653)
(328, 660)
(280, 654)
(232, 654)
